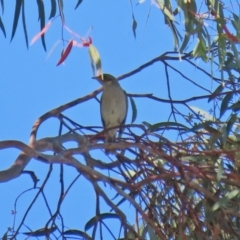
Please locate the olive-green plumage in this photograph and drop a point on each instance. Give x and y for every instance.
(113, 105)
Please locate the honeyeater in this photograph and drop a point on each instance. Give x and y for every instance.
(113, 106)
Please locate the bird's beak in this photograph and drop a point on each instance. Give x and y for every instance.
(99, 78)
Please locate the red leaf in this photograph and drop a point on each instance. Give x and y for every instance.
(229, 35)
(66, 52)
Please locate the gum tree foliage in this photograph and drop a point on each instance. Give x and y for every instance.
(181, 187)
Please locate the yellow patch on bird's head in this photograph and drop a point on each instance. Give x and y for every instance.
(105, 77)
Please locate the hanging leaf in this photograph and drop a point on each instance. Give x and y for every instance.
(230, 36)
(134, 22)
(5, 236)
(134, 109)
(221, 40)
(185, 42)
(93, 221)
(224, 134)
(235, 107)
(24, 24)
(165, 10)
(65, 53)
(219, 172)
(200, 49)
(175, 34)
(218, 90)
(16, 17)
(41, 232)
(134, 27)
(148, 125)
(41, 14)
(74, 232)
(166, 125)
(225, 103)
(223, 201)
(2, 6)
(78, 3)
(205, 126)
(53, 9)
(230, 123)
(60, 5)
(2, 27)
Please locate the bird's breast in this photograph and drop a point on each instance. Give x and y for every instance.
(113, 106)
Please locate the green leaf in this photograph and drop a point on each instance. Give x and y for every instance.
(16, 17)
(231, 122)
(194, 158)
(225, 103)
(134, 109)
(206, 126)
(74, 232)
(41, 232)
(134, 27)
(93, 221)
(200, 49)
(132, 194)
(236, 23)
(217, 6)
(233, 193)
(60, 4)
(156, 126)
(220, 171)
(78, 3)
(41, 13)
(184, 43)
(165, 10)
(148, 125)
(2, 6)
(5, 237)
(190, 20)
(236, 55)
(224, 133)
(235, 107)
(218, 90)
(224, 200)
(2, 27)
(175, 34)
(53, 9)
(24, 24)
(221, 50)
(152, 235)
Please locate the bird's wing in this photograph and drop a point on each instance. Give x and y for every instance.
(124, 120)
(103, 123)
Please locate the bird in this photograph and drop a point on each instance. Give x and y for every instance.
(113, 106)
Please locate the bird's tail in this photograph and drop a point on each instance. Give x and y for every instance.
(110, 136)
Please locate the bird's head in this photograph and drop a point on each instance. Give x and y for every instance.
(106, 79)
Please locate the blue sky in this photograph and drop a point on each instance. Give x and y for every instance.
(32, 85)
